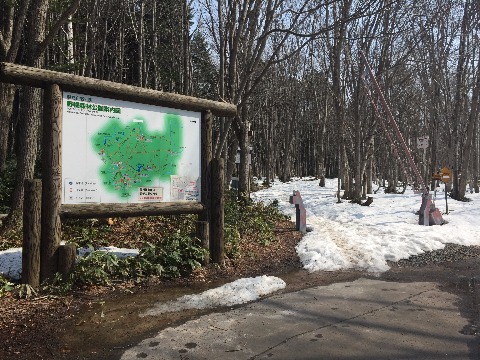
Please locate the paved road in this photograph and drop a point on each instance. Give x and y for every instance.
(363, 319)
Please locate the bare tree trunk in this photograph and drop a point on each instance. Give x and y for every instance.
(69, 38)
(459, 101)
(121, 47)
(141, 46)
(469, 143)
(187, 65)
(231, 165)
(10, 33)
(369, 174)
(392, 178)
(91, 35)
(335, 58)
(270, 155)
(320, 138)
(242, 134)
(29, 122)
(476, 158)
(30, 109)
(7, 93)
(29, 116)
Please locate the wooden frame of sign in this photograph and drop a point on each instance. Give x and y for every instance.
(210, 208)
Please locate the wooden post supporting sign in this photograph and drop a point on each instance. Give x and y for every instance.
(52, 181)
(203, 228)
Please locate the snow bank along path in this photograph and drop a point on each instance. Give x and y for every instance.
(349, 236)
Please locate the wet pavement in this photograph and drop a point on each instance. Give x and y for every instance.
(360, 319)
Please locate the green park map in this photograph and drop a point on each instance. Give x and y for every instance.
(134, 156)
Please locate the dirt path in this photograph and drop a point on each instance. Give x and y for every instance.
(120, 327)
(111, 326)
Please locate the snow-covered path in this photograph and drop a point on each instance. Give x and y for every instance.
(349, 236)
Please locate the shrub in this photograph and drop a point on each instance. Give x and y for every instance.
(6, 285)
(252, 220)
(7, 185)
(232, 242)
(174, 256)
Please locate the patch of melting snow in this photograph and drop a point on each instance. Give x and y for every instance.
(11, 259)
(11, 263)
(238, 292)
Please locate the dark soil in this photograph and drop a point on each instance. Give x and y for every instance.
(100, 323)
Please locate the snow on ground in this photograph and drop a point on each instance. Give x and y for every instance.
(121, 253)
(344, 236)
(11, 263)
(238, 292)
(349, 236)
(11, 259)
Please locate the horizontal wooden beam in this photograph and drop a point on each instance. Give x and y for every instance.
(23, 75)
(86, 211)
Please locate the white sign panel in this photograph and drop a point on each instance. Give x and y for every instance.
(121, 152)
(422, 142)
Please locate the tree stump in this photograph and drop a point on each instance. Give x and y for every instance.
(67, 255)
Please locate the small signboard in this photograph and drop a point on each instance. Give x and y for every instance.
(422, 142)
(446, 174)
(237, 156)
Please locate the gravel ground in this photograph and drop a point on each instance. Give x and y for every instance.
(456, 269)
(451, 253)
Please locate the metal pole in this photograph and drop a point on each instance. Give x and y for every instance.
(446, 202)
(393, 123)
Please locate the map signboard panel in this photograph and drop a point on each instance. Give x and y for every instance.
(122, 152)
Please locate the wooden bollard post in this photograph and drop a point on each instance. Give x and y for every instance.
(32, 205)
(67, 255)
(217, 215)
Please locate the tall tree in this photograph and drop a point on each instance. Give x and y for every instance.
(12, 21)
(37, 40)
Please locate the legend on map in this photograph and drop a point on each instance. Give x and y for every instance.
(81, 191)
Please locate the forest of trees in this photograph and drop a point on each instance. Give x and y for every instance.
(292, 67)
